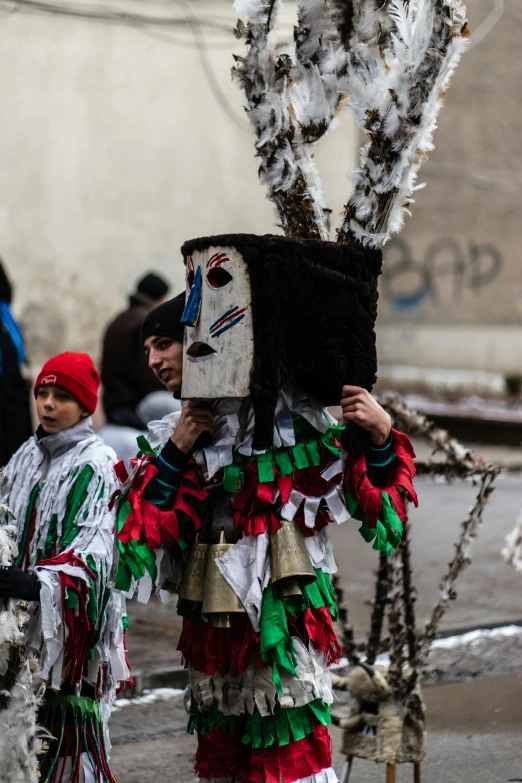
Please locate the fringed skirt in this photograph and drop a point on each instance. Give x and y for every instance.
(77, 752)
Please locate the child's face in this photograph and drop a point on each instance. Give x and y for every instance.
(57, 410)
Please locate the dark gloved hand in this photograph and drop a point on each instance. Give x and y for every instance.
(15, 583)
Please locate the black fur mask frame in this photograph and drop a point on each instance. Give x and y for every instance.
(312, 305)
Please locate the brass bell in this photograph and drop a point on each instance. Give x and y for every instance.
(192, 585)
(220, 601)
(291, 566)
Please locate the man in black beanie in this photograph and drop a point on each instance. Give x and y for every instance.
(125, 374)
(162, 337)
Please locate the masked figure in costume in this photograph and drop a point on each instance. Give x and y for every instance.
(273, 329)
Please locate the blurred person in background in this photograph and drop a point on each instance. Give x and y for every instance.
(15, 411)
(126, 376)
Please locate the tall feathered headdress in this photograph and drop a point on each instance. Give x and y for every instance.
(390, 61)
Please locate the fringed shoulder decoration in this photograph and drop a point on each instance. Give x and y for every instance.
(146, 523)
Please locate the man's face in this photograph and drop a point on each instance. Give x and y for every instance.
(219, 344)
(57, 410)
(165, 357)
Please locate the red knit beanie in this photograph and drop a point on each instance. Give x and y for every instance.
(74, 372)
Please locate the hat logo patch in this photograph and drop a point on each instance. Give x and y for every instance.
(49, 380)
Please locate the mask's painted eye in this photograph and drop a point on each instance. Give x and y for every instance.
(217, 277)
(190, 278)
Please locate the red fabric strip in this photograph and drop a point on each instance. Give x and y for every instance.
(224, 755)
(402, 472)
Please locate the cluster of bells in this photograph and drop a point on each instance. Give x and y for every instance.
(202, 581)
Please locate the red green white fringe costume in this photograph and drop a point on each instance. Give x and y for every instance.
(259, 693)
(58, 490)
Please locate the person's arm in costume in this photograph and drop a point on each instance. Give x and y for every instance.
(171, 463)
(360, 407)
(15, 583)
(156, 501)
(379, 480)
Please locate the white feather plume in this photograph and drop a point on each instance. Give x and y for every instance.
(403, 56)
(20, 738)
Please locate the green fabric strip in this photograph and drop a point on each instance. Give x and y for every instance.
(263, 731)
(312, 448)
(283, 462)
(387, 534)
(321, 593)
(305, 453)
(276, 647)
(300, 456)
(265, 467)
(75, 500)
(31, 505)
(92, 603)
(134, 558)
(145, 449)
(231, 475)
(51, 536)
(80, 705)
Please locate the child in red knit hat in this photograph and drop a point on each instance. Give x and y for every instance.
(58, 486)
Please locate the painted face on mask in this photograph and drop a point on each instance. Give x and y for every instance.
(218, 353)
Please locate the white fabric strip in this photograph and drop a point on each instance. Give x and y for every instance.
(320, 551)
(240, 695)
(292, 400)
(246, 568)
(325, 776)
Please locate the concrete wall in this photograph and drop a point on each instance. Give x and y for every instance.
(113, 151)
(451, 294)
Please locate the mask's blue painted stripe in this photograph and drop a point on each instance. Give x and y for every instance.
(193, 307)
(222, 317)
(229, 325)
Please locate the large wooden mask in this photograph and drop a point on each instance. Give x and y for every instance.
(218, 351)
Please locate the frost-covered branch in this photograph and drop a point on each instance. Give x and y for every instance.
(461, 559)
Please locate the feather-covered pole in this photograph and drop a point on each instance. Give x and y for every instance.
(315, 92)
(402, 57)
(346, 635)
(289, 105)
(460, 462)
(20, 743)
(396, 626)
(379, 609)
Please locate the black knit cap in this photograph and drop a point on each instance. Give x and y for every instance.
(314, 306)
(165, 320)
(153, 286)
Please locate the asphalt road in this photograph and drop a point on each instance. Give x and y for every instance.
(473, 730)
(488, 590)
